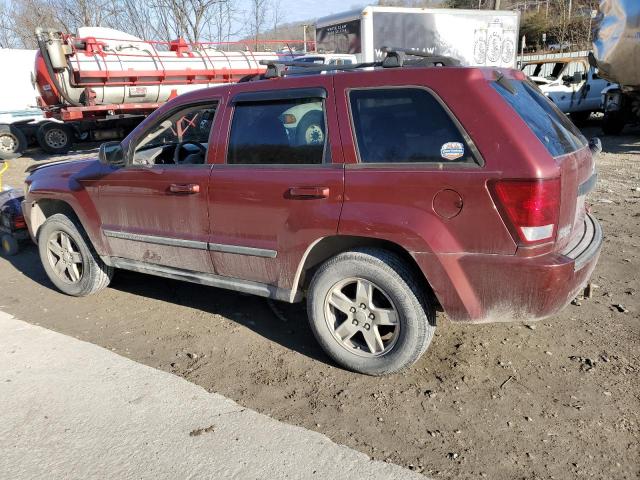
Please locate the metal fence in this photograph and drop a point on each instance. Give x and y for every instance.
(532, 57)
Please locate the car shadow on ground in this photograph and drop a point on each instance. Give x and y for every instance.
(282, 323)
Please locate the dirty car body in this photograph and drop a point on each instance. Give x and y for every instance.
(479, 199)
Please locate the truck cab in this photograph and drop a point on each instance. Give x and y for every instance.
(571, 83)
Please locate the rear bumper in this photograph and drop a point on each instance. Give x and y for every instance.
(489, 288)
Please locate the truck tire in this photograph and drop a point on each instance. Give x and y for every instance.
(69, 259)
(613, 123)
(9, 245)
(580, 118)
(310, 130)
(12, 142)
(55, 137)
(369, 312)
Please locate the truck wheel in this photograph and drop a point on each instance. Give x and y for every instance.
(69, 258)
(580, 118)
(9, 245)
(369, 313)
(613, 123)
(55, 137)
(310, 130)
(12, 142)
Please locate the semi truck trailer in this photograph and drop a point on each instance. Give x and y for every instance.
(473, 37)
(100, 83)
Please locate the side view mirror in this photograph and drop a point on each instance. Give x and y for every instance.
(111, 153)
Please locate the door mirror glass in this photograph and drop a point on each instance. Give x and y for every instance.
(111, 153)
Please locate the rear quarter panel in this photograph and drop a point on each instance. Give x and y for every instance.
(395, 201)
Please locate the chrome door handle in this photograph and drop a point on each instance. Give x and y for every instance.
(307, 193)
(188, 188)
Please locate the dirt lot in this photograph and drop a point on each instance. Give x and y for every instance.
(555, 399)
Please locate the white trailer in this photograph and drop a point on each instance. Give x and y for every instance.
(474, 37)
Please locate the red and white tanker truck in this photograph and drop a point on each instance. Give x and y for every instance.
(100, 83)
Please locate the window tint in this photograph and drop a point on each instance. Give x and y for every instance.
(405, 125)
(278, 132)
(552, 127)
(191, 125)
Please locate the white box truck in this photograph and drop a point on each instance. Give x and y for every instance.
(474, 37)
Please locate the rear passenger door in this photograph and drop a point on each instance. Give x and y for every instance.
(277, 185)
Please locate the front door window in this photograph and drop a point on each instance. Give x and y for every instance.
(180, 139)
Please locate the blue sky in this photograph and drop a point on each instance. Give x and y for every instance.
(311, 9)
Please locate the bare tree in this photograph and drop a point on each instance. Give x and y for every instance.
(258, 15)
(277, 16)
(224, 24)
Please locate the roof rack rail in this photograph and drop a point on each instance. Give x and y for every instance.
(394, 58)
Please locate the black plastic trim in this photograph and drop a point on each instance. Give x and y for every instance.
(271, 95)
(194, 244)
(157, 240)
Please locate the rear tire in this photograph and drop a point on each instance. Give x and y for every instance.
(613, 123)
(69, 259)
(376, 333)
(13, 142)
(580, 118)
(9, 244)
(55, 137)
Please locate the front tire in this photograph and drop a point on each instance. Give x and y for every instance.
(369, 312)
(613, 123)
(69, 258)
(580, 118)
(310, 130)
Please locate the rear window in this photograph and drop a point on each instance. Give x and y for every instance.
(552, 127)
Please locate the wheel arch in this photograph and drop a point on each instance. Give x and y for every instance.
(326, 247)
(44, 208)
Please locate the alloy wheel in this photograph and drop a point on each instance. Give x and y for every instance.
(362, 317)
(65, 257)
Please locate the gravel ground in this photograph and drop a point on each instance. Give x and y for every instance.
(553, 399)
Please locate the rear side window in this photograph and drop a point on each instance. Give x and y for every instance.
(405, 125)
(282, 132)
(552, 127)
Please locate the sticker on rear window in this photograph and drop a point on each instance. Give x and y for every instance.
(452, 150)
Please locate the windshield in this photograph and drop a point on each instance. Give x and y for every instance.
(548, 70)
(318, 60)
(552, 127)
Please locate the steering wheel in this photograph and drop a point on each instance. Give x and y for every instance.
(176, 152)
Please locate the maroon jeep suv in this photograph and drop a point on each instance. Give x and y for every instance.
(378, 194)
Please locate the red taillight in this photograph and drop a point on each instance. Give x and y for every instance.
(18, 222)
(531, 207)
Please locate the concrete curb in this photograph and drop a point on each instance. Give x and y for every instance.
(71, 409)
